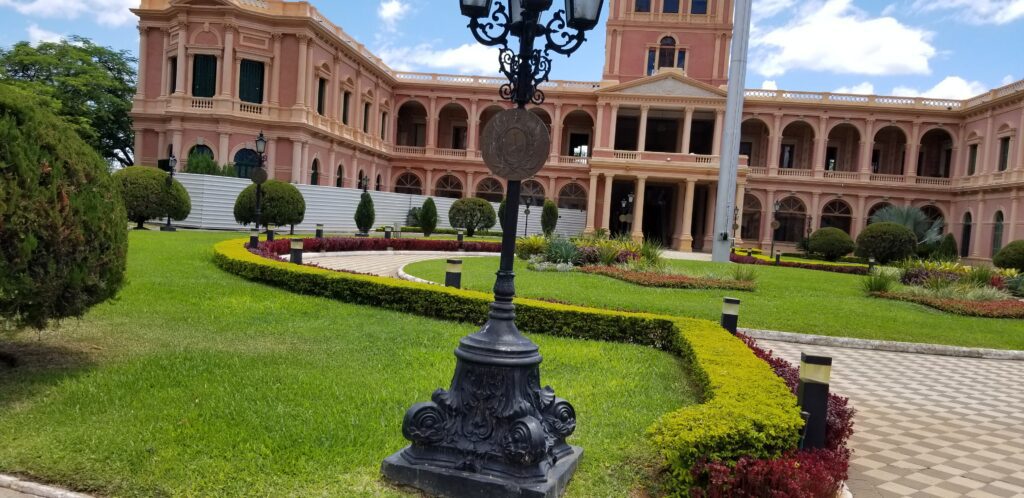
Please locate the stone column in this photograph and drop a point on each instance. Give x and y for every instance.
(741, 192)
(228, 61)
(614, 124)
(1020, 146)
(859, 217)
(709, 214)
(179, 81)
(716, 147)
(686, 241)
(642, 138)
(638, 209)
(474, 127)
(432, 120)
(428, 186)
(815, 211)
(272, 158)
(556, 132)
(165, 68)
(818, 162)
(591, 203)
(304, 166)
(275, 78)
(606, 209)
(176, 138)
(766, 219)
(333, 96)
(224, 145)
(867, 146)
(161, 145)
(912, 150)
(1014, 210)
(598, 128)
(140, 84)
(775, 145)
(687, 129)
(296, 161)
(979, 224)
(300, 87)
(986, 146)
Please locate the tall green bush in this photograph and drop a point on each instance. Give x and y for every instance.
(282, 205)
(428, 217)
(203, 164)
(1011, 256)
(830, 243)
(365, 214)
(147, 195)
(63, 236)
(549, 217)
(886, 242)
(472, 214)
(947, 249)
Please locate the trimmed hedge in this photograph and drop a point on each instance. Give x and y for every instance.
(147, 196)
(747, 410)
(886, 242)
(343, 244)
(282, 204)
(667, 280)
(830, 243)
(445, 231)
(834, 268)
(1009, 308)
(1011, 256)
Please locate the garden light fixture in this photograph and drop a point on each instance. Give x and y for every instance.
(254, 238)
(296, 246)
(812, 396)
(319, 230)
(730, 314)
(172, 164)
(453, 274)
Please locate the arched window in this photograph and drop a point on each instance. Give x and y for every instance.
(245, 161)
(666, 55)
(792, 218)
(997, 233)
(449, 186)
(837, 214)
(340, 179)
(934, 215)
(408, 183)
(532, 190)
(362, 180)
(200, 150)
(965, 236)
(490, 189)
(314, 176)
(751, 229)
(572, 196)
(876, 208)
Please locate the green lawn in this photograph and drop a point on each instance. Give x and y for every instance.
(198, 383)
(787, 299)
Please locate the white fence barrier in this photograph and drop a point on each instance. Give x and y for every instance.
(213, 207)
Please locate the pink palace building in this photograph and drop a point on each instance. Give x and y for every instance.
(214, 73)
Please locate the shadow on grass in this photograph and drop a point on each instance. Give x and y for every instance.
(28, 367)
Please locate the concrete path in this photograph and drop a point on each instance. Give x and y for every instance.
(928, 425)
(382, 264)
(7, 493)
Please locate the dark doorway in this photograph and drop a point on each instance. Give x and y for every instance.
(618, 221)
(787, 155)
(627, 130)
(658, 204)
(700, 216)
(831, 157)
(662, 135)
(702, 136)
(579, 144)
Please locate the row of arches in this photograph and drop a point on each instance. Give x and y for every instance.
(570, 196)
(794, 219)
(843, 148)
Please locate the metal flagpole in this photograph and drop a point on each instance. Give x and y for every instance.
(725, 207)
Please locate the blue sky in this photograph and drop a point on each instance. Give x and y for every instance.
(941, 48)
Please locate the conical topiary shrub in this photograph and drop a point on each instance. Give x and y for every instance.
(428, 217)
(365, 214)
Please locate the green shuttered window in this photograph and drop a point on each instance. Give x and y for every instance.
(204, 76)
(250, 81)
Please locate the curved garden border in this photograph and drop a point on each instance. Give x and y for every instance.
(746, 410)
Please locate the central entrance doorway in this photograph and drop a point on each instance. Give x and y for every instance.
(659, 204)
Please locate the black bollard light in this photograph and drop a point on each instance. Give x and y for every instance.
(812, 396)
(871, 264)
(778, 257)
(319, 230)
(254, 238)
(730, 314)
(453, 276)
(461, 235)
(296, 252)
(270, 233)
(750, 253)
(387, 233)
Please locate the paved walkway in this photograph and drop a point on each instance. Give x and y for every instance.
(929, 425)
(385, 265)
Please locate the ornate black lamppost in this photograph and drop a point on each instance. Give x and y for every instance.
(627, 209)
(259, 175)
(775, 224)
(172, 163)
(528, 201)
(496, 432)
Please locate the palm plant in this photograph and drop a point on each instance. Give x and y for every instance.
(928, 231)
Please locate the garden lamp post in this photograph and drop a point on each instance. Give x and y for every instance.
(259, 176)
(528, 201)
(775, 222)
(496, 432)
(172, 163)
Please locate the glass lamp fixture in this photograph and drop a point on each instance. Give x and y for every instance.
(731, 306)
(475, 9)
(296, 244)
(261, 144)
(816, 369)
(583, 14)
(173, 162)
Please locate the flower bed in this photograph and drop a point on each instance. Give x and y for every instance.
(343, 244)
(667, 280)
(747, 410)
(1006, 308)
(751, 260)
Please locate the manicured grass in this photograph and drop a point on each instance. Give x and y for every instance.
(198, 383)
(787, 299)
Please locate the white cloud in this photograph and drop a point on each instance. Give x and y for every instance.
(105, 12)
(837, 37)
(865, 88)
(976, 11)
(764, 9)
(952, 87)
(769, 85)
(889, 10)
(36, 35)
(392, 11)
(471, 58)
(1008, 79)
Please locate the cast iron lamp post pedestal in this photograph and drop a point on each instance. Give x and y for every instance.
(259, 176)
(496, 432)
(172, 163)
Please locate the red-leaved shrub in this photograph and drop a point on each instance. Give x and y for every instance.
(1006, 308)
(672, 281)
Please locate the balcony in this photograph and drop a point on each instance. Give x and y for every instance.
(662, 157)
(853, 177)
(852, 100)
(412, 151)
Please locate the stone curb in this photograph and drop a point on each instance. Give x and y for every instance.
(342, 254)
(41, 490)
(405, 276)
(891, 346)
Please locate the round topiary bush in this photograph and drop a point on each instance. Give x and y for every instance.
(472, 214)
(830, 243)
(147, 196)
(428, 217)
(365, 214)
(282, 205)
(1011, 256)
(549, 217)
(62, 220)
(886, 242)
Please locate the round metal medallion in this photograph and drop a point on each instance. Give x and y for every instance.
(776, 225)
(516, 144)
(258, 176)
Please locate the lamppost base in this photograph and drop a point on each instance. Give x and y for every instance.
(168, 229)
(435, 479)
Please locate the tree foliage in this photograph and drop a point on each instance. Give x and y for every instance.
(88, 85)
(1011, 256)
(282, 205)
(62, 221)
(147, 195)
(203, 164)
(927, 231)
(830, 243)
(472, 214)
(428, 217)
(549, 217)
(886, 242)
(365, 214)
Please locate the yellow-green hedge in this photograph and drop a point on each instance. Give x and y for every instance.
(746, 411)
